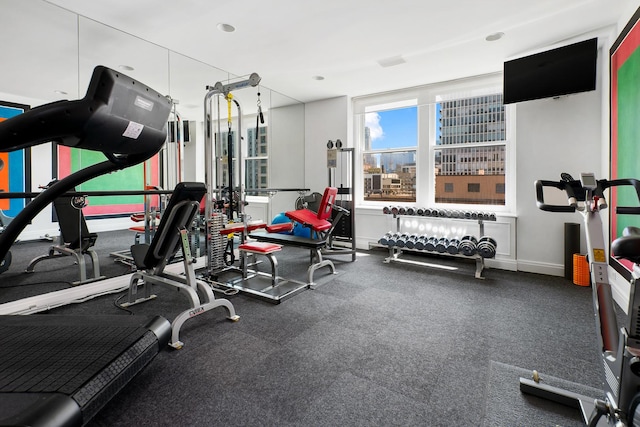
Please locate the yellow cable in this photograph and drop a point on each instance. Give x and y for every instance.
(229, 97)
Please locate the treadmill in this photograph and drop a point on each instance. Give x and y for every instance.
(60, 370)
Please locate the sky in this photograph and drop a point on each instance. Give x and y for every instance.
(393, 128)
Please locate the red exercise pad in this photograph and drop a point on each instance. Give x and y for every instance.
(260, 247)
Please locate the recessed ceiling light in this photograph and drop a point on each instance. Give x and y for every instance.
(60, 92)
(317, 78)
(226, 28)
(495, 36)
(390, 62)
(126, 67)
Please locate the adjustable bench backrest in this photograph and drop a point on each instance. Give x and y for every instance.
(73, 227)
(327, 202)
(180, 211)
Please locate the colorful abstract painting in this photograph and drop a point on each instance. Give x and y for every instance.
(15, 166)
(625, 122)
(70, 160)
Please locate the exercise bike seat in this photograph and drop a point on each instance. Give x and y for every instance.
(628, 245)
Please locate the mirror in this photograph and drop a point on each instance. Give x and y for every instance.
(52, 55)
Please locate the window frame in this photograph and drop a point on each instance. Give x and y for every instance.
(427, 96)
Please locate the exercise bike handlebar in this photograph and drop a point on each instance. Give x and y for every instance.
(577, 193)
(560, 185)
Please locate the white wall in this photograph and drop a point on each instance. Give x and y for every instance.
(553, 136)
(324, 120)
(286, 154)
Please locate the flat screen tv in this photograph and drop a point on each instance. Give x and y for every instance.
(562, 71)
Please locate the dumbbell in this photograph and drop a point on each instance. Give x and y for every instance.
(411, 210)
(420, 211)
(442, 213)
(467, 215)
(394, 210)
(442, 244)
(420, 242)
(492, 217)
(402, 240)
(402, 210)
(452, 247)
(468, 246)
(384, 240)
(487, 247)
(427, 212)
(431, 244)
(386, 210)
(411, 241)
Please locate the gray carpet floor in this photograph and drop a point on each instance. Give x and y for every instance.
(375, 345)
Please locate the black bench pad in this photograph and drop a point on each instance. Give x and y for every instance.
(289, 240)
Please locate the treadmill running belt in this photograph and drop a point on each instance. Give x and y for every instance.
(66, 368)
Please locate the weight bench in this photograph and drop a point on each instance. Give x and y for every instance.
(315, 254)
(151, 260)
(75, 240)
(320, 229)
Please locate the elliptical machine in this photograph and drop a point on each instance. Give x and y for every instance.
(620, 347)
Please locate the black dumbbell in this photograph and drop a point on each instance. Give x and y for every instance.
(420, 242)
(442, 244)
(384, 240)
(431, 244)
(411, 241)
(386, 210)
(410, 210)
(420, 211)
(487, 247)
(453, 245)
(402, 240)
(468, 246)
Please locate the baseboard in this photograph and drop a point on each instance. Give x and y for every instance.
(501, 264)
(541, 268)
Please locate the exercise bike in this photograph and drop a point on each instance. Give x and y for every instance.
(620, 347)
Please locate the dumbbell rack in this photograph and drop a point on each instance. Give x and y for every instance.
(395, 252)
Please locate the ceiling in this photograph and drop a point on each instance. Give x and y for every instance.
(289, 42)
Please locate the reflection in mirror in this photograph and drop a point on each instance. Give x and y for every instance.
(137, 58)
(40, 52)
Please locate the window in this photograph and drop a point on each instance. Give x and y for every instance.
(389, 152)
(256, 174)
(475, 130)
(445, 144)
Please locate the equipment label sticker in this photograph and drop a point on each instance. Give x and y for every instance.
(133, 130)
(143, 103)
(598, 255)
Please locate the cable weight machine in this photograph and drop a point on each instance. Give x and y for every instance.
(222, 201)
(341, 174)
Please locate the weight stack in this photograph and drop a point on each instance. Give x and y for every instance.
(216, 241)
(571, 246)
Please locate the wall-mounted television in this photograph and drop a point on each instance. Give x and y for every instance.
(561, 71)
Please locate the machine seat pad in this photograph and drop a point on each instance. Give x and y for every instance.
(289, 240)
(627, 247)
(309, 219)
(239, 228)
(260, 247)
(280, 228)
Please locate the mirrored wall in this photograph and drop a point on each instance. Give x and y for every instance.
(49, 54)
